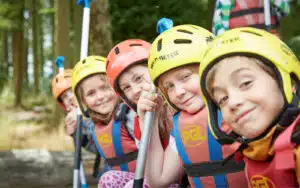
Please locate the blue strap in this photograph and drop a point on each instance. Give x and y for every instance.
(180, 147)
(116, 136)
(94, 136)
(215, 153)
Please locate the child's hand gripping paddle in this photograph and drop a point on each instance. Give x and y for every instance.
(143, 148)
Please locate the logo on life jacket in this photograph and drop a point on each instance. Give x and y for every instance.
(193, 135)
(105, 139)
(259, 181)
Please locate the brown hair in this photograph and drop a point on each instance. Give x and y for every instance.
(210, 77)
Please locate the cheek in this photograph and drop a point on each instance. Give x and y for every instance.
(193, 86)
(227, 117)
(88, 101)
(172, 98)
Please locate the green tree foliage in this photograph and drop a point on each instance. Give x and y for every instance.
(137, 18)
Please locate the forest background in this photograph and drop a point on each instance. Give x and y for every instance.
(34, 32)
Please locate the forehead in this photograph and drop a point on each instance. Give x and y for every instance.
(132, 71)
(230, 66)
(93, 81)
(173, 73)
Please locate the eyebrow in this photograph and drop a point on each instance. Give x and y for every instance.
(219, 88)
(238, 70)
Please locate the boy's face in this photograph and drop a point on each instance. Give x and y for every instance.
(249, 97)
(98, 95)
(182, 87)
(68, 99)
(133, 81)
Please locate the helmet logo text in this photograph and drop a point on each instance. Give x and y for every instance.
(164, 57)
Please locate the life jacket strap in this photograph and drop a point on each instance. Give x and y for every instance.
(117, 161)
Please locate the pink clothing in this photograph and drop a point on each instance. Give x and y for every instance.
(121, 179)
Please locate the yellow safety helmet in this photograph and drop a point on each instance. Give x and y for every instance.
(84, 68)
(178, 46)
(249, 42)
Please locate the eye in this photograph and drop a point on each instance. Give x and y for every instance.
(125, 88)
(185, 77)
(90, 93)
(138, 78)
(246, 84)
(222, 101)
(169, 86)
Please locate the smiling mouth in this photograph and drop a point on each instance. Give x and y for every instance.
(187, 101)
(244, 114)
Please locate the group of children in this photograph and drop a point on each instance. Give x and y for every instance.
(225, 109)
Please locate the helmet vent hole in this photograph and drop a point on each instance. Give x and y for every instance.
(131, 45)
(56, 80)
(251, 32)
(117, 50)
(182, 41)
(184, 31)
(83, 62)
(159, 45)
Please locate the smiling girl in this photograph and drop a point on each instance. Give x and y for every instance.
(97, 100)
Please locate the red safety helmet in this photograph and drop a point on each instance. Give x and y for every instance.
(121, 57)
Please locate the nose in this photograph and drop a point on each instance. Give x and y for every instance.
(136, 88)
(100, 96)
(235, 100)
(179, 90)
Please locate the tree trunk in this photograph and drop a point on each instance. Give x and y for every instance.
(35, 33)
(18, 63)
(3, 73)
(77, 24)
(41, 44)
(100, 29)
(62, 29)
(61, 43)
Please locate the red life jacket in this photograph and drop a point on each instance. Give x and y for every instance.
(202, 155)
(250, 13)
(280, 171)
(116, 145)
(138, 133)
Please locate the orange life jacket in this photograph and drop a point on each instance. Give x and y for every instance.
(202, 155)
(250, 13)
(116, 145)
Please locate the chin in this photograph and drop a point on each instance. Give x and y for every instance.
(194, 109)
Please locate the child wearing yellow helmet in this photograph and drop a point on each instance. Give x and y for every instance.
(253, 78)
(173, 65)
(98, 101)
(62, 92)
